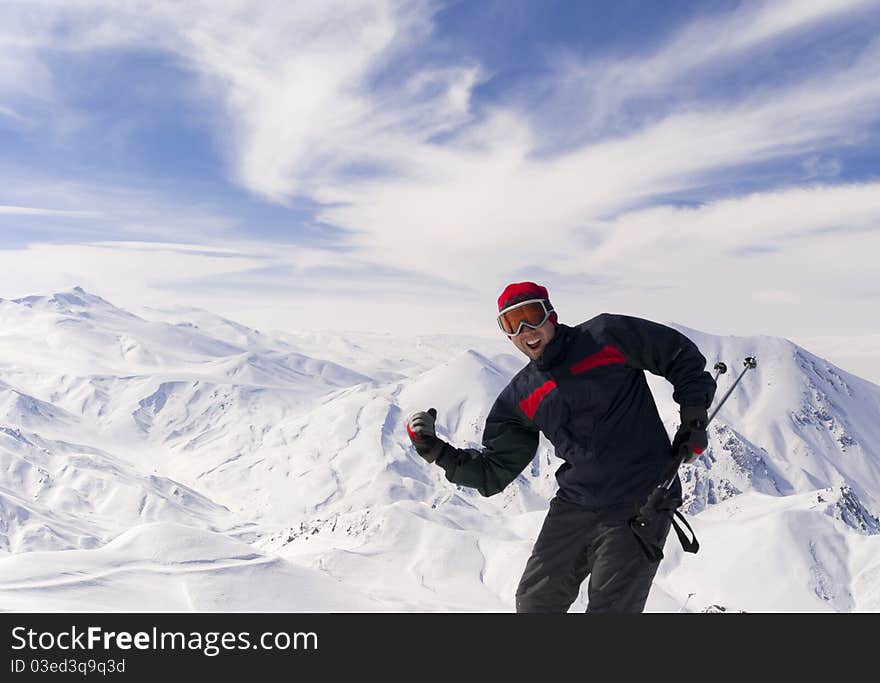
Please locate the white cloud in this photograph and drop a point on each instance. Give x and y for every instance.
(268, 286)
(294, 79)
(39, 267)
(505, 210)
(760, 220)
(84, 210)
(704, 42)
(601, 88)
(12, 114)
(790, 262)
(31, 211)
(819, 167)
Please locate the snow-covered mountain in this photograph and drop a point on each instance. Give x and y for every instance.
(122, 434)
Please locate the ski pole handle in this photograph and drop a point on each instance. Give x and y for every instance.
(720, 368)
(651, 505)
(748, 364)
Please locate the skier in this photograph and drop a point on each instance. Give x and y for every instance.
(585, 390)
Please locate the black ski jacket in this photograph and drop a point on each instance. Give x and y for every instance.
(589, 396)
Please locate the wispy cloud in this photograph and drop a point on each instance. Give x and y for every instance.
(11, 114)
(296, 80)
(708, 40)
(87, 210)
(31, 211)
(485, 207)
(770, 219)
(268, 285)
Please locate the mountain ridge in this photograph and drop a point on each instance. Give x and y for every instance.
(290, 441)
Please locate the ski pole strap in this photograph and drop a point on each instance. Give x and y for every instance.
(642, 522)
(653, 551)
(689, 545)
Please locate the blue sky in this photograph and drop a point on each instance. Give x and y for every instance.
(392, 165)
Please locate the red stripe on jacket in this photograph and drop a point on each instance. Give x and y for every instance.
(531, 402)
(607, 356)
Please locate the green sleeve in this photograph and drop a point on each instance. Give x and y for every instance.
(510, 441)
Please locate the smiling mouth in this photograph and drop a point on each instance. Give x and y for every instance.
(534, 344)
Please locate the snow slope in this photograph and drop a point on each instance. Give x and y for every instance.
(169, 568)
(859, 355)
(294, 443)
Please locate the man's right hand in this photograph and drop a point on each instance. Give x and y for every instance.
(420, 428)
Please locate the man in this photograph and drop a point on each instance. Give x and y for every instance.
(585, 390)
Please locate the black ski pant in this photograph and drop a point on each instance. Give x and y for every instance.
(574, 543)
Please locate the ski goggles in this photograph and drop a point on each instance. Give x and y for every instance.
(532, 313)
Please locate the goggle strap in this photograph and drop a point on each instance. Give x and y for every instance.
(548, 307)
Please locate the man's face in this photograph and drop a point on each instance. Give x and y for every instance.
(532, 342)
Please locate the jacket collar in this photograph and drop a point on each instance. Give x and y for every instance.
(555, 351)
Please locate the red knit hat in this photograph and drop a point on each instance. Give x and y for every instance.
(516, 292)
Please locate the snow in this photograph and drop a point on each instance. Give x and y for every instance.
(169, 568)
(859, 355)
(175, 460)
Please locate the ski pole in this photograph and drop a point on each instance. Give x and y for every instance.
(690, 595)
(750, 363)
(720, 368)
(659, 493)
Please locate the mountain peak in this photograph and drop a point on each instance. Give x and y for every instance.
(79, 297)
(73, 301)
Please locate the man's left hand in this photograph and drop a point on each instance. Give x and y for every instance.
(691, 439)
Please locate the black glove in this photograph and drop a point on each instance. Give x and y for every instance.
(691, 439)
(420, 428)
